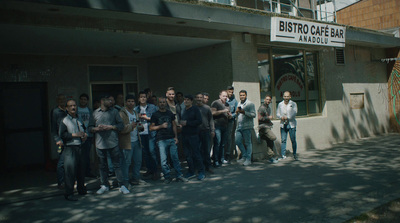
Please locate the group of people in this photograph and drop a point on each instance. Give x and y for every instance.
(124, 132)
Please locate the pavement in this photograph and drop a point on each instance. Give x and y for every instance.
(326, 185)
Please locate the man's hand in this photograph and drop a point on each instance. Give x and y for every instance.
(84, 137)
(212, 134)
(183, 123)
(164, 125)
(60, 143)
(176, 140)
(134, 124)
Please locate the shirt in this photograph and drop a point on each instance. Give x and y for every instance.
(106, 139)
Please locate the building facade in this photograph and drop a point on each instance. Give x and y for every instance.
(52, 47)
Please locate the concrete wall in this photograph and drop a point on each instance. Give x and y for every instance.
(362, 73)
(205, 69)
(63, 74)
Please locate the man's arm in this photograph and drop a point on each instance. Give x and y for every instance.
(250, 111)
(127, 126)
(197, 118)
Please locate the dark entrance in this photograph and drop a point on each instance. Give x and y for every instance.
(23, 125)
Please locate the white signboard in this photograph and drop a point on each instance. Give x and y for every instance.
(298, 31)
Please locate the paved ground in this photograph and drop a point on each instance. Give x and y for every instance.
(330, 185)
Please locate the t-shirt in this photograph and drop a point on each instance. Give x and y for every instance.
(84, 115)
(159, 118)
(144, 122)
(264, 111)
(222, 119)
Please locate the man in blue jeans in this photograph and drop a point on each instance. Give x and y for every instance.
(286, 112)
(246, 112)
(163, 122)
(221, 114)
(147, 138)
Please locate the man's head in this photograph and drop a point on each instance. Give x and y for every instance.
(162, 103)
(119, 100)
(148, 92)
(83, 100)
(142, 98)
(130, 101)
(243, 95)
(286, 97)
(170, 94)
(223, 95)
(71, 107)
(199, 98)
(61, 100)
(267, 99)
(188, 100)
(154, 99)
(179, 97)
(112, 100)
(205, 98)
(230, 90)
(106, 101)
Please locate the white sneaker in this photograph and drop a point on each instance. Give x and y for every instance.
(241, 160)
(102, 189)
(124, 190)
(247, 162)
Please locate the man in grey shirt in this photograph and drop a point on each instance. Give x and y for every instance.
(106, 123)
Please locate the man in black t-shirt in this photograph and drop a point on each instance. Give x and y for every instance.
(163, 121)
(221, 114)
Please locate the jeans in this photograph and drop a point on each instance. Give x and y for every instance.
(87, 146)
(75, 166)
(164, 146)
(244, 135)
(126, 160)
(110, 164)
(137, 159)
(205, 147)
(60, 169)
(192, 152)
(292, 132)
(149, 153)
(221, 135)
(229, 150)
(115, 159)
(269, 137)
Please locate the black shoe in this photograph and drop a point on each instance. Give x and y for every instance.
(83, 192)
(111, 174)
(70, 198)
(147, 174)
(168, 180)
(91, 175)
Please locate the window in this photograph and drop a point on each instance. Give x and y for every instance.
(291, 70)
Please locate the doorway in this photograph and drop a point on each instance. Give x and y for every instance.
(24, 125)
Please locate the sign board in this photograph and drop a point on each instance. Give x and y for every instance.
(290, 82)
(304, 32)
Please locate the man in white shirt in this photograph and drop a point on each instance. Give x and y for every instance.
(286, 112)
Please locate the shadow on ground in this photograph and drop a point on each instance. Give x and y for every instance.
(330, 185)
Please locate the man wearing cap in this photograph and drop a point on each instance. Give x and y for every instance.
(191, 120)
(106, 123)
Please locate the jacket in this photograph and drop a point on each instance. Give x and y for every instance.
(291, 113)
(124, 135)
(245, 121)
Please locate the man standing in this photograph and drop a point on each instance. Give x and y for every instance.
(221, 114)
(246, 112)
(191, 120)
(163, 122)
(205, 98)
(147, 138)
(265, 126)
(84, 113)
(119, 101)
(207, 131)
(286, 112)
(231, 125)
(106, 123)
(129, 141)
(73, 132)
(57, 114)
